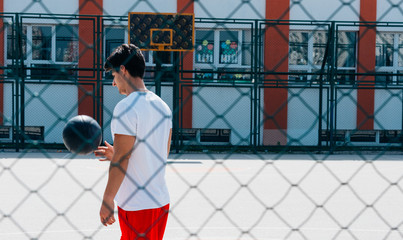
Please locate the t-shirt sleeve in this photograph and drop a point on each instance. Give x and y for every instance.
(124, 120)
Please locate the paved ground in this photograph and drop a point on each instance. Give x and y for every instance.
(219, 196)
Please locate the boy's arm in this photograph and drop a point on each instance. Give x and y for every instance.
(123, 147)
(169, 141)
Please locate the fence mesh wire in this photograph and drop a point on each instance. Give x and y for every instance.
(282, 130)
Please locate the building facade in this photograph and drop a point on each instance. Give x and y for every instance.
(272, 72)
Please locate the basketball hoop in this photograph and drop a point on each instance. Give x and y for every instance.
(162, 31)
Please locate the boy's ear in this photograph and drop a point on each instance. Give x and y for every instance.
(123, 70)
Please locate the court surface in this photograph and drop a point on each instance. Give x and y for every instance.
(48, 195)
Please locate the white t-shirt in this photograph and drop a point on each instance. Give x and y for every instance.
(148, 117)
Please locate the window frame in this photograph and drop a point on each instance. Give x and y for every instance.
(29, 62)
(395, 68)
(216, 59)
(310, 68)
(216, 65)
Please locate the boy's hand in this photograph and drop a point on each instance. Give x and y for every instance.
(106, 212)
(105, 152)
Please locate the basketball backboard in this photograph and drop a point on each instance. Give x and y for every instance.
(162, 31)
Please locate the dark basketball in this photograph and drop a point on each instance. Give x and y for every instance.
(82, 135)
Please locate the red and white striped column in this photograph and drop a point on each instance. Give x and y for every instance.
(366, 64)
(86, 31)
(276, 45)
(186, 6)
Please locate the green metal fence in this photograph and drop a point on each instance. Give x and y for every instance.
(302, 100)
(331, 69)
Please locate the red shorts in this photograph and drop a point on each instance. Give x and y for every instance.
(148, 224)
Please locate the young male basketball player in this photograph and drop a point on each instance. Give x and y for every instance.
(141, 129)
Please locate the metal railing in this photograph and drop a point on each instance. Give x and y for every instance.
(293, 86)
(334, 68)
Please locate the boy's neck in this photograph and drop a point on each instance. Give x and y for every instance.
(137, 85)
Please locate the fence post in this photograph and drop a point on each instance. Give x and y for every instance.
(99, 66)
(175, 110)
(255, 77)
(332, 87)
(320, 110)
(20, 87)
(158, 72)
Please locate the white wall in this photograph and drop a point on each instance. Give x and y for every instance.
(346, 109)
(123, 7)
(209, 102)
(166, 95)
(43, 6)
(254, 9)
(7, 96)
(46, 104)
(325, 10)
(388, 109)
(386, 12)
(303, 112)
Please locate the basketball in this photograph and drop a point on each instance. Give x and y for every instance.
(82, 135)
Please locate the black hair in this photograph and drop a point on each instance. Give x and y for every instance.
(128, 55)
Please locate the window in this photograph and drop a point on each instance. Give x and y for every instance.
(11, 41)
(346, 57)
(307, 52)
(204, 49)
(221, 48)
(229, 47)
(346, 50)
(384, 49)
(50, 51)
(246, 48)
(41, 43)
(298, 48)
(227, 51)
(389, 58)
(114, 37)
(319, 48)
(66, 44)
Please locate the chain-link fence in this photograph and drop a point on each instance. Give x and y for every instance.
(322, 61)
(263, 112)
